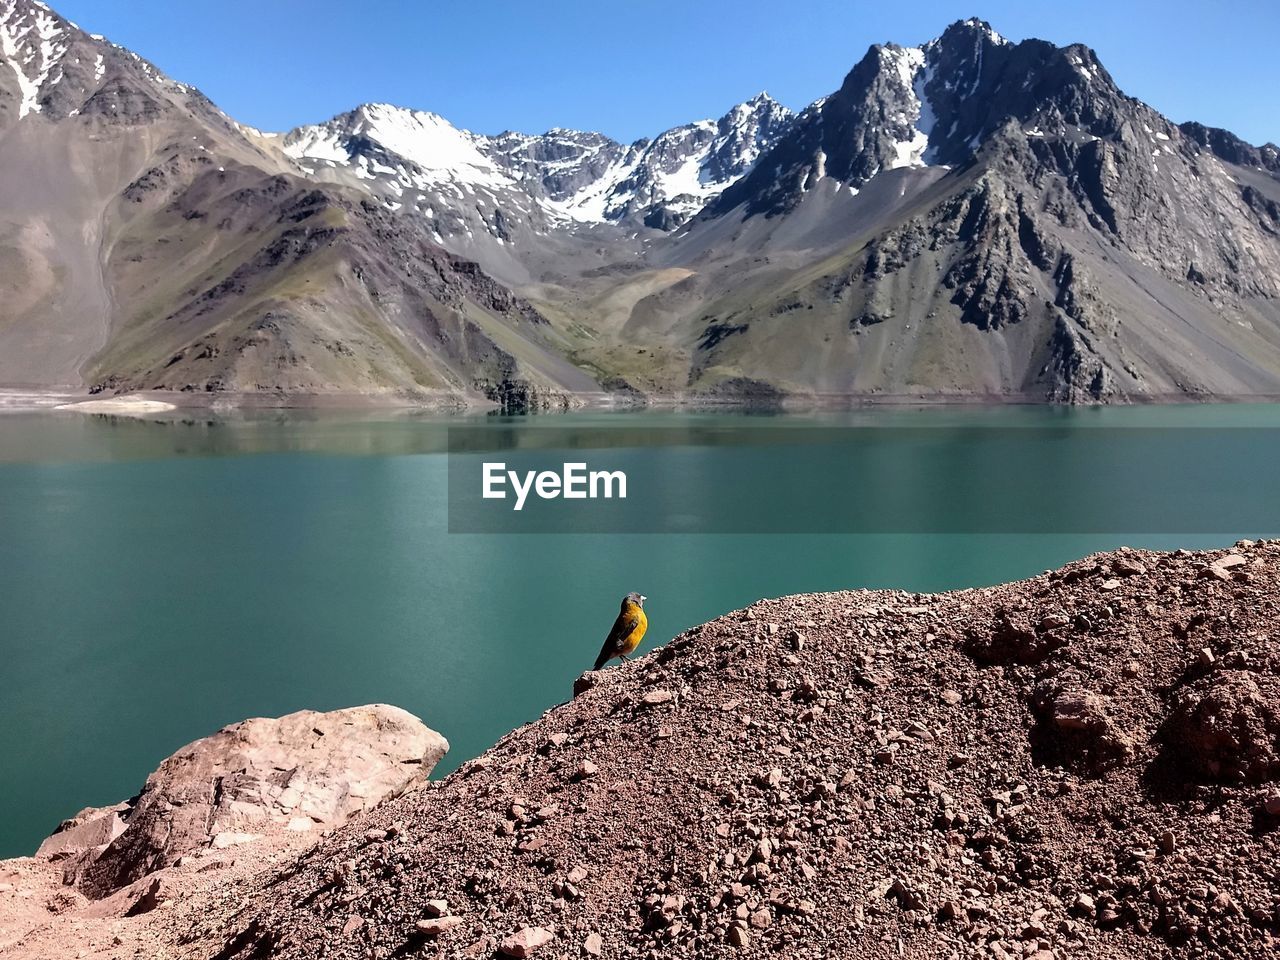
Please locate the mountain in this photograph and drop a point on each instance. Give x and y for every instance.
(970, 218)
(1016, 226)
(149, 242)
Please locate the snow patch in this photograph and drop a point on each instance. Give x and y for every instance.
(33, 46)
(914, 75)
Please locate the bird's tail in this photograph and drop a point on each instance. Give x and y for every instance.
(602, 660)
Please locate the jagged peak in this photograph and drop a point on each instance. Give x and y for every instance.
(970, 28)
(760, 104)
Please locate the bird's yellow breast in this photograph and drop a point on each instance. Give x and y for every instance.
(632, 639)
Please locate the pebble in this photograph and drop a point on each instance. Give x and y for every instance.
(1272, 804)
(585, 770)
(434, 926)
(526, 942)
(593, 945)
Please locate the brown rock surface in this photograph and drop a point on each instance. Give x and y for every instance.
(980, 773)
(898, 787)
(300, 771)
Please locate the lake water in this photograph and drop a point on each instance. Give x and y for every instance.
(161, 579)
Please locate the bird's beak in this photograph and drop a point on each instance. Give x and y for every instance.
(643, 598)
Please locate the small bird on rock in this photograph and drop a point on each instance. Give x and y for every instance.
(628, 630)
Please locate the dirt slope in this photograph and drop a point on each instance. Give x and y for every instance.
(1075, 765)
(1081, 764)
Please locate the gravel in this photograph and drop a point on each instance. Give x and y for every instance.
(1045, 769)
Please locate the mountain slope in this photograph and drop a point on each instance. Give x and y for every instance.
(971, 218)
(1056, 240)
(148, 242)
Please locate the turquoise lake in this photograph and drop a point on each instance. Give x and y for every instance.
(159, 579)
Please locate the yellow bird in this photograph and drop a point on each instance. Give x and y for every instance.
(628, 630)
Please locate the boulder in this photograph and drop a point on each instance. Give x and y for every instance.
(89, 829)
(247, 780)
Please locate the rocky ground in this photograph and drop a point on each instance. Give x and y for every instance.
(209, 820)
(1084, 764)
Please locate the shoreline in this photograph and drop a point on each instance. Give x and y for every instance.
(23, 400)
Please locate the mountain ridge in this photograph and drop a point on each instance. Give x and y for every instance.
(971, 218)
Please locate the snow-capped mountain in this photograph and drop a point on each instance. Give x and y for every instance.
(562, 176)
(971, 217)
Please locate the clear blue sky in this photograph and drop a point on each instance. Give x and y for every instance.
(634, 69)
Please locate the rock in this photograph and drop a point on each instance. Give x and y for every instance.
(526, 942)
(1271, 804)
(229, 788)
(585, 682)
(585, 770)
(1084, 719)
(763, 852)
(593, 945)
(90, 828)
(434, 926)
(1127, 567)
(656, 698)
(951, 697)
(1079, 710)
(437, 908)
(738, 937)
(233, 838)
(353, 924)
(1109, 585)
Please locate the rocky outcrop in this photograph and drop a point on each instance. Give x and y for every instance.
(300, 772)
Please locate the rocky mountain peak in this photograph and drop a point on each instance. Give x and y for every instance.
(34, 42)
(563, 175)
(50, 68)
(931, 106)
